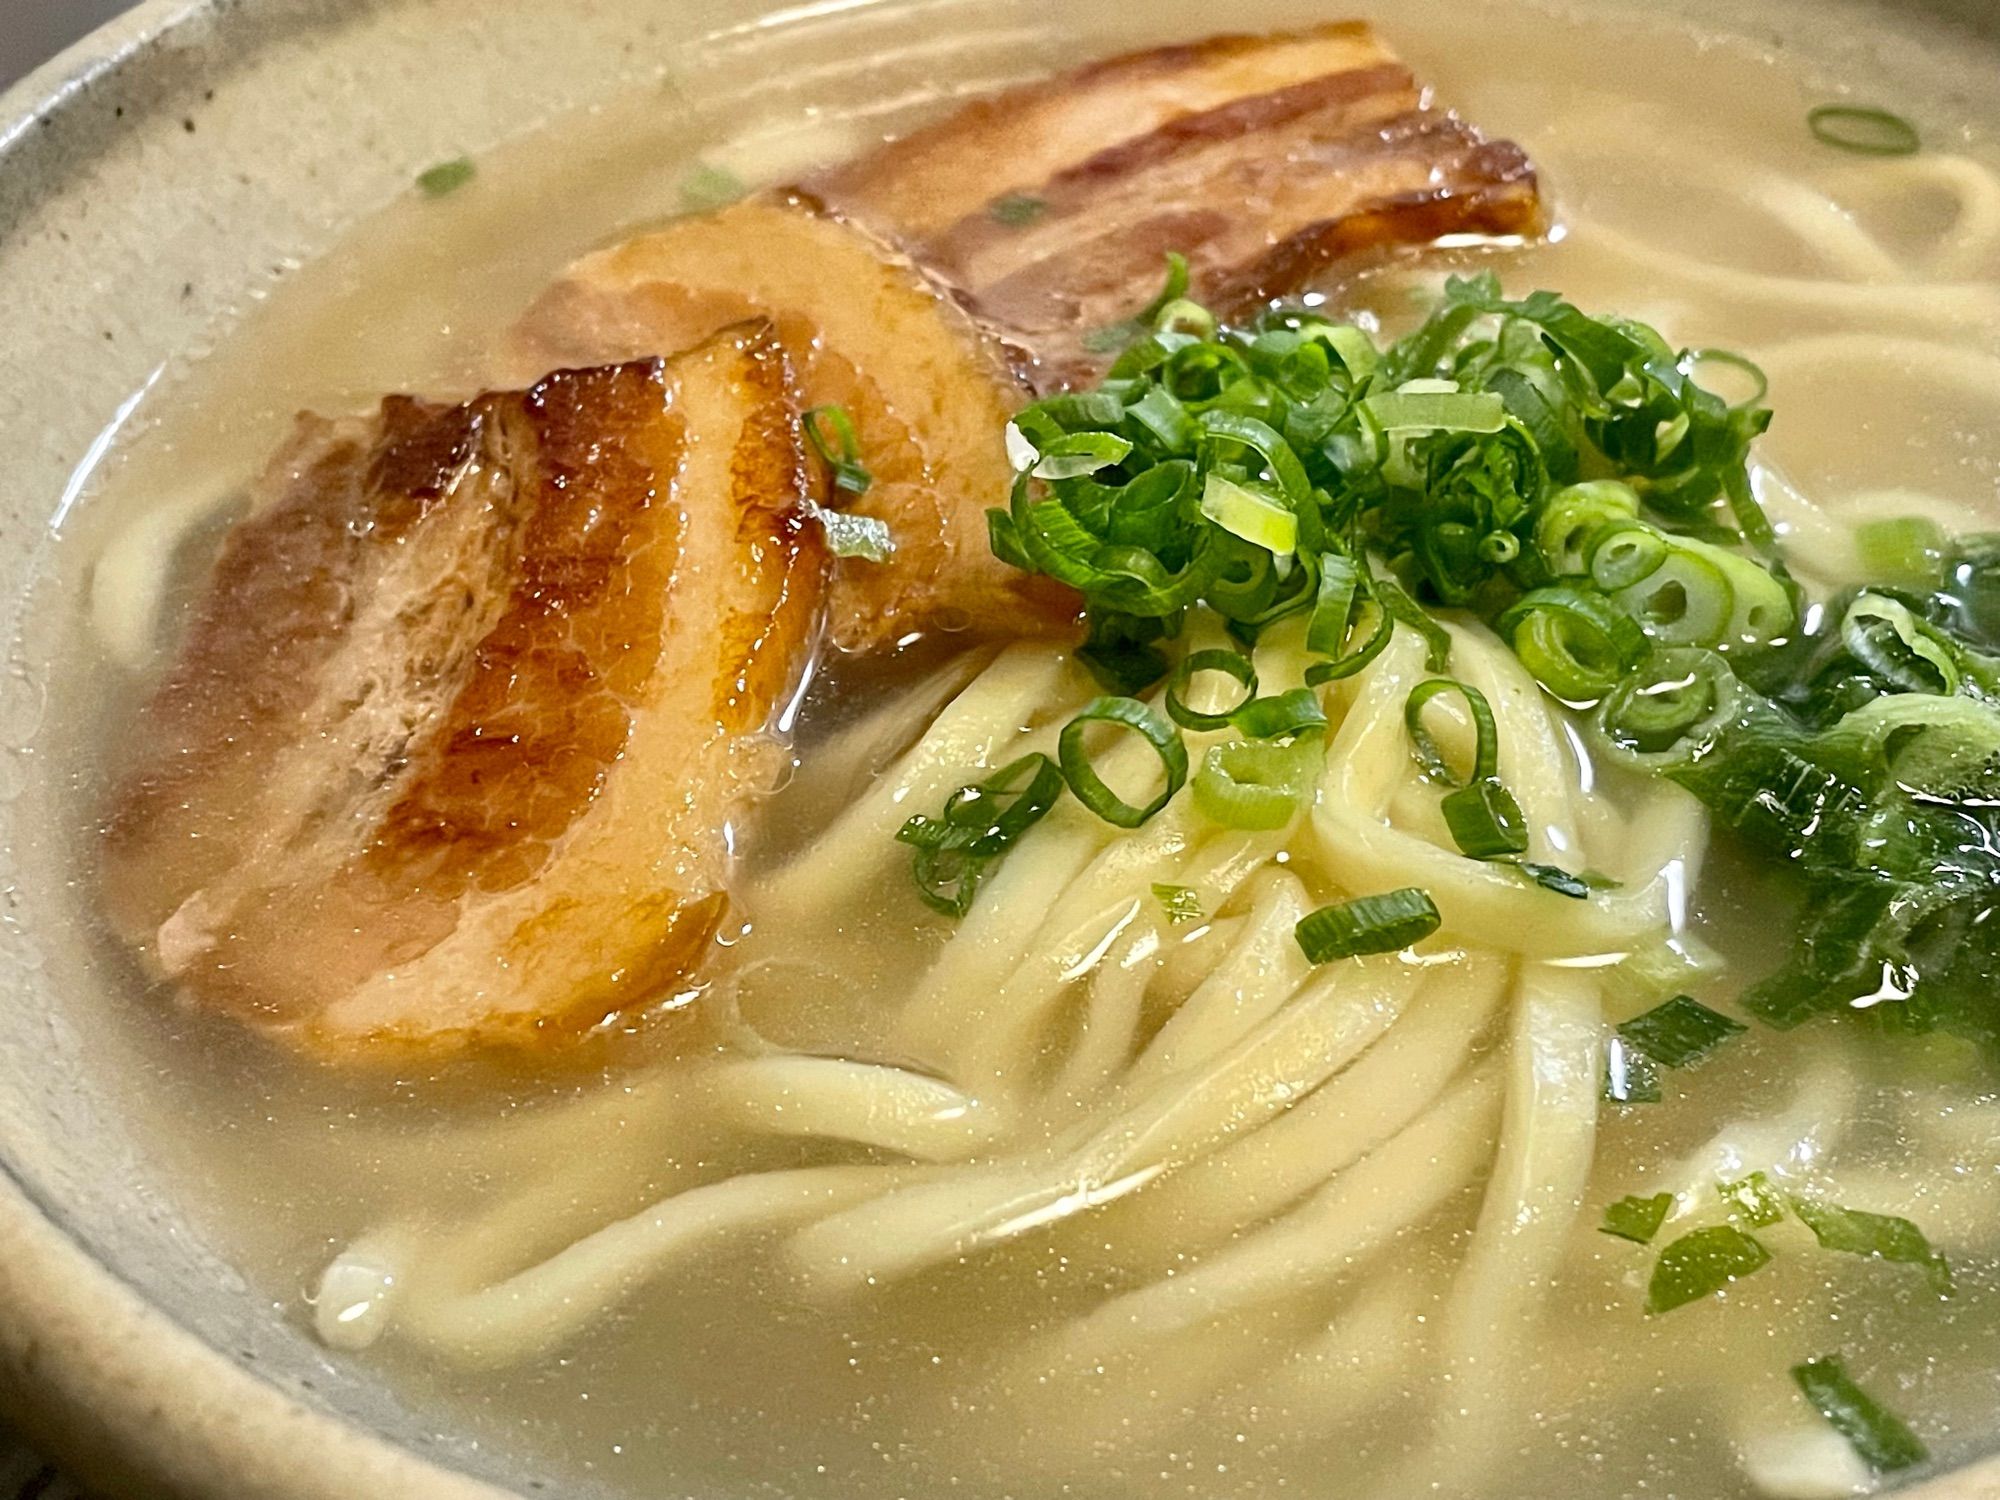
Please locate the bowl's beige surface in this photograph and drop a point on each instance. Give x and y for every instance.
(150, 181)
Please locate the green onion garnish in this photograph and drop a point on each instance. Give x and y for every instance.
(1881, 1236)
(1233, 664)
(1153, 728)
(1410, 410)
(1630, 1076)
(1181, 903)
(1017, 209)
(446, 177)
(1258, 519)
(705, 186)
(1485, 821)
(1751, 1201)
(1863, 129)
(1368, 924)
(1424, 746)
(1701, 1263)
(979, 824)
(831, 432)
(1907, 551)
(1295, 711)
(1637, 1219)
(1257, 784)
(1882, 1439)
(1555, 878)
(1680, 1032)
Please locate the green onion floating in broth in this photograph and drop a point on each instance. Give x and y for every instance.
(1701, 1263)
(446, 177)
(1863, 129)
(1882, 1439)
(1637, 1219)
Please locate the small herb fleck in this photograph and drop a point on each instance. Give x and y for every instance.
(446, 177)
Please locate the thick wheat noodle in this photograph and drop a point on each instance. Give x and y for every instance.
(537, 1309)
(1480, 902)
(981, 729)
(1110, 1024)
(1944, 306)
(868, 1104)
(1554, 1070)
(1353, 1215)
(1164, 1127)
(1263, 971)
(1351, 1114)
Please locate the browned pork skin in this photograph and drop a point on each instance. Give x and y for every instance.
(1264, 160)
(448, 758)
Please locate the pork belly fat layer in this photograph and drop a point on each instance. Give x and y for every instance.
(448, 755)
(1265, 161)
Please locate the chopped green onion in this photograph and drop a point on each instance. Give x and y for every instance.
(1185, 317)
(830, 431)
(1556, 878)
(1896, 646)
(1296, 711)
(1693, 360)
(1863, 130)
(1424, 748)
(1154, 729)
(1637, 1219)
(1751, 1202)
(1575, 643)
(1257, 785)
(1368, 924)
(1701, 1263)
(1017, 209)
(1907, 551)
(1343, 589)
(1622, 554)
(1630, 1077)
(1258, 519)
(1437, 640)
(1408, 410)
(1882, 1236)
(1181, 903)
(980, 823)
(1485, 821)
(1356, 350)
(705, 186)
(1679, 1032)
(1231, 664)
(446, 177)
(1671, 712)
(1079, 453)
(1877, 1434)
(1685, 601)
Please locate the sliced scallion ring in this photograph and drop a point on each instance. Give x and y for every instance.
(1154, 728)
(831, 432)
(1485, 820)
(1281, 715)
(1257, 785)
(1574, 642)
(1368, 924)
(1863, 129)
(1424, 746)
(1232, 664)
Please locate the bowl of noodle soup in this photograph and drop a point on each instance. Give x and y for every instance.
(1113, 1166)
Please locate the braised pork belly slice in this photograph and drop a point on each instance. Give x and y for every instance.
(1265, 161)
(449, 756)
(929, 395)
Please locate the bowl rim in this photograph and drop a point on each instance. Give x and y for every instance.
(104, 1380)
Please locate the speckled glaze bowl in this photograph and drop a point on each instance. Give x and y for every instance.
(151, 180)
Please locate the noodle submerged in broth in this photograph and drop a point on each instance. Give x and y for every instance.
(1470, 975)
